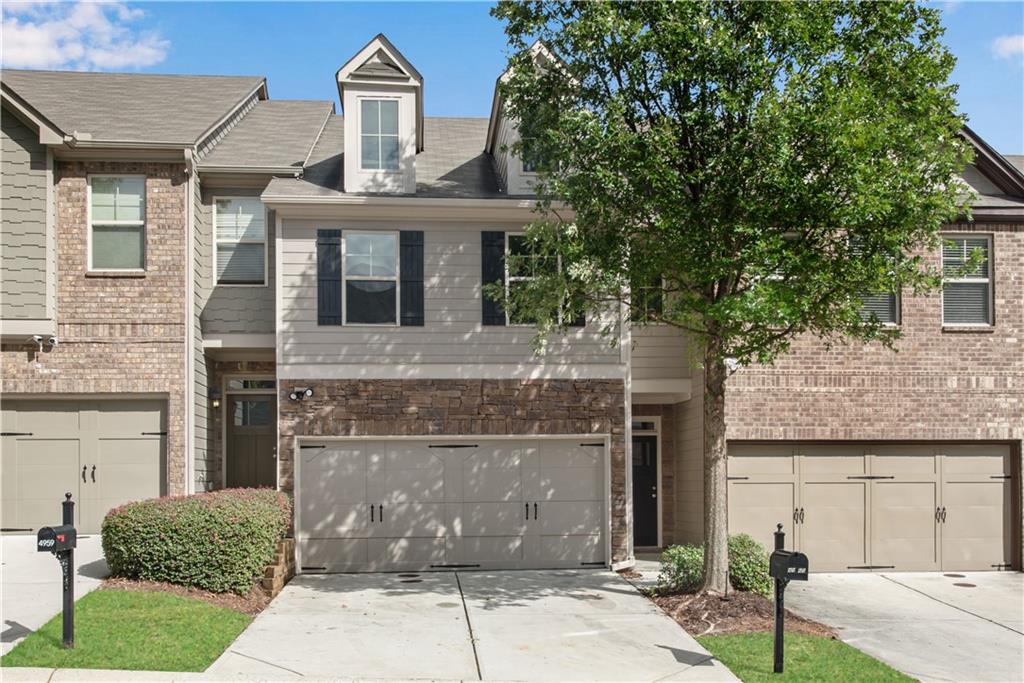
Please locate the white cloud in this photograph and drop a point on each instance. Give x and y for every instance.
(1009, 47)
(83, 35)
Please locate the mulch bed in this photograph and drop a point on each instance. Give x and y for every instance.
(740, 612)
(252, 603)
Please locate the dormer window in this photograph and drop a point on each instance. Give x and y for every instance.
(378, 139)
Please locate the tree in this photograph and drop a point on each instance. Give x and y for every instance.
(770, 163)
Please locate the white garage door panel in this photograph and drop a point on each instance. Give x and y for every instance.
(451, 503)
(973, 532)
(756, 507)
(834, 524)
(903, 530)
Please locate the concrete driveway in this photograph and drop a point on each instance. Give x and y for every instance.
(30, 582)
(923, 623)
(514, 626)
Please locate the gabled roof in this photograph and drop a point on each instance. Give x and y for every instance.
(454, 165)
(277, 136)
(379, 61)
(1006, 176)
(131, 108)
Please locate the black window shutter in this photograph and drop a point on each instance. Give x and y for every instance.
(492, 253)
(411, 258)
(328, 277)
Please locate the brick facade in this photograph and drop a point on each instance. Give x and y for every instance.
(478, 407)
(118, 335)
(939, 384)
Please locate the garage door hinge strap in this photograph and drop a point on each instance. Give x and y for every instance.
(872, 566)
(154, 433)
(312, 446)
(737, 478)
(872, 476)
(592, 564)
(453, 445)
(596, 443)
(16, 434)
(1000, 476)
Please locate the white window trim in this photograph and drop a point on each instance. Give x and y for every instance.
(397, 279)
(88, 202)
(520, 278)
(265, 241)
(359, 135)
(989, 300)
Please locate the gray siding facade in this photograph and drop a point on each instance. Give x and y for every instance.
(26, 172)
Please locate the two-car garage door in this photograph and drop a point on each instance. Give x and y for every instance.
(884, 507)
(413, 504)
(104, 452)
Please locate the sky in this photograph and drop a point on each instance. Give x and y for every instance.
(458, 47)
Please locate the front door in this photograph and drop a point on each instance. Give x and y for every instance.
(251, 437)
(645, 491)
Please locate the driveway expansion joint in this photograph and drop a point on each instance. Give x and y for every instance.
(948, 604)
(469, 625)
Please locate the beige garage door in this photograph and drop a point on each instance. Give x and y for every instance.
(881, 507)
(104, 452)
(419, 505)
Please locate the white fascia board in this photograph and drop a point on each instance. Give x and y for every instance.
(661, 390)
(293, 171)
(240, 341)
(48, 133)
(314, 371)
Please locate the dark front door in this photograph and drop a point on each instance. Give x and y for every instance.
(645, 491)
(251, 435)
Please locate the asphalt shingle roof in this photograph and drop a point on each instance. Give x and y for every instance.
(130, 107)
(275, 134)
(453, 165)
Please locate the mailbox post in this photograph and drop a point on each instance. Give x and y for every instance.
(61, 541)
(783, 566)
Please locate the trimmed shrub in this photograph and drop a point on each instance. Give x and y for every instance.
(219, 541)
(682, 567)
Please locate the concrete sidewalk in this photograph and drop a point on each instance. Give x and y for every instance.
(30, 582)
(923, 624)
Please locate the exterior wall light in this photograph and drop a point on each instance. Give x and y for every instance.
(214, 398)
(298, 394)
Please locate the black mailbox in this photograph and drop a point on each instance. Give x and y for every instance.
(53, 539)
(786, 564)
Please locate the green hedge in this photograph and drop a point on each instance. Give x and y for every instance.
(682, 567)
(219, 541)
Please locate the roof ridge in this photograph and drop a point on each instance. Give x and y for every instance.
(128, 73)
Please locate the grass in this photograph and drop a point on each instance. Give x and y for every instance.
(137, 630)
(808, 658)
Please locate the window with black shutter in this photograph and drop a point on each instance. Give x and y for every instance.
(328, 277)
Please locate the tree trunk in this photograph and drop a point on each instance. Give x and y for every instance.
(716, 520)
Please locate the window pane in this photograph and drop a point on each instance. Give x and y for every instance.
(389, 117)
(253, 413)
(370, 302)
(518, 317)
(881, 306)
(104, 191)
(240, 263)
(966, 303)
(118, 247)
(370, 116)
(240, 383)
(957, 251)
(389, 152)
(369, 254)
(130, 199)
(647, 300)
(241, 219)
(371, 152)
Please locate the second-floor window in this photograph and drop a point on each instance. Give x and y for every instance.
(240, 241)
(117, 223)
(378, 135)
(967, 283)
(370, 272)
(647, 301)
(885, 306)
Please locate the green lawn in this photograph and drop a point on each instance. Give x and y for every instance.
(808, 658)
(116, 629)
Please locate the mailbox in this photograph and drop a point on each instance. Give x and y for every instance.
(54, 539)
(788, 565)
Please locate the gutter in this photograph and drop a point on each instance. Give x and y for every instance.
(425, 202)
(295, 172)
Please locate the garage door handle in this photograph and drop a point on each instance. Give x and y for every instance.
(943, 515)
(382, 513)
(94, 474)
(527, 511)
(535, 515)
(938, 515)
(371, 513)
(801, 515)
(84, 468)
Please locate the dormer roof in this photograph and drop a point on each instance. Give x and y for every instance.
(379, 61)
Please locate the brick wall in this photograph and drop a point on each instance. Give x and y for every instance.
(939, 384)
(667, 439)
(478, 407)
(118, 335)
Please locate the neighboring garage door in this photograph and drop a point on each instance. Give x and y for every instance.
(104, 452)
(419, 505)
(884, 507)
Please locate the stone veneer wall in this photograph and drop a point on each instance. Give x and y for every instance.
(461, 407)
(667, 437)
(118, 334)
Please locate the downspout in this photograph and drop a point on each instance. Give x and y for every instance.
(189, 383)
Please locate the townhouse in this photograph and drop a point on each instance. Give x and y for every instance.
(204, 287)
